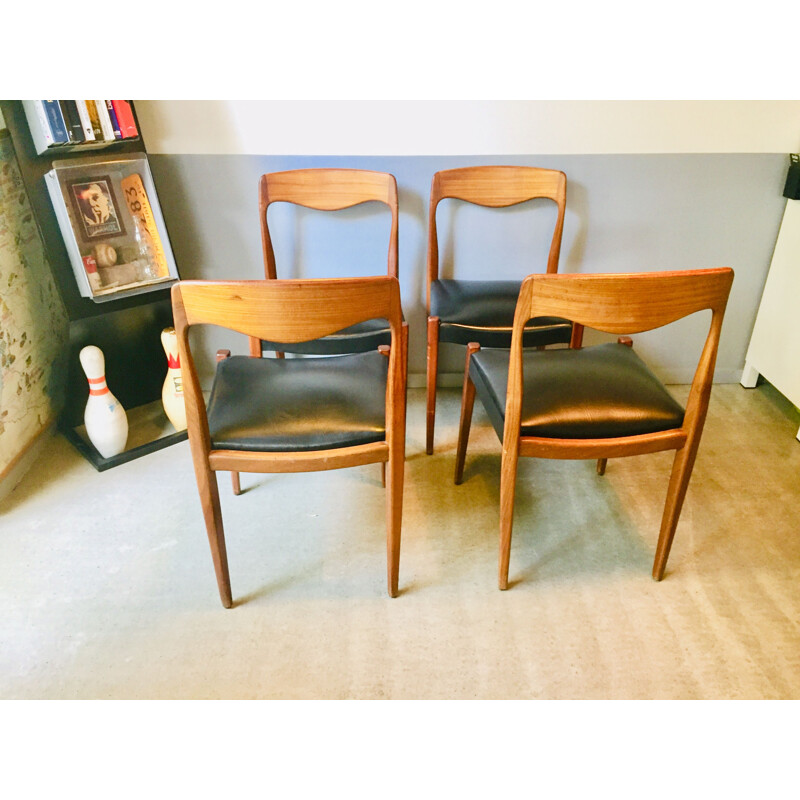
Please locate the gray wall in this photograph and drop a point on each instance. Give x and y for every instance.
(624, 213)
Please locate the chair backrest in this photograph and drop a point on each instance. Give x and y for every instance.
(626, 303)
(286, 311)
(327, 190)
(496, 187)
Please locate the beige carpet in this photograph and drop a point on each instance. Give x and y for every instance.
(107, 587)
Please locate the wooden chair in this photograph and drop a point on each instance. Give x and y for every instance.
(597, 402)
(482, 311)
(325, 190)
(295, 415)
(328, 190)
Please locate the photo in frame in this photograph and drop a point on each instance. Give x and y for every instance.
(96, 207)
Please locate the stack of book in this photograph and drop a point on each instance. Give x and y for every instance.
(57, 123)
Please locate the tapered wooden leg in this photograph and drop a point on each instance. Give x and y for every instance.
(678, 483)
(576, 340)
(601, 466)
(433, 367)
(508, 485)
(394, 517)
(467, 403)
(209, 500)
(396, 471)
(237, 489)
(384, 350)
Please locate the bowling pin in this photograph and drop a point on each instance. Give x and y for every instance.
(105, 419)
(172, 393)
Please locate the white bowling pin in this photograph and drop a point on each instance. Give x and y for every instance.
(172, 393)
(105, 419)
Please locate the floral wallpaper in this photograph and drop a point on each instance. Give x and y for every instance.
(33, 323)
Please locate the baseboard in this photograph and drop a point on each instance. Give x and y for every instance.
(24, 460)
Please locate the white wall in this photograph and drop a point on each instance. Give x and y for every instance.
(346, 127)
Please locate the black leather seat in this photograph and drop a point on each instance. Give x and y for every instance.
(483, 312)
(298, 404)
(598, 392)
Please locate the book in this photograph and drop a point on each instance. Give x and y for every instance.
(38, 124)
(86, 121)
(56, 122)
(69, 111)
(105, 120)
(114, 121)
(124, 112)
(95, 119)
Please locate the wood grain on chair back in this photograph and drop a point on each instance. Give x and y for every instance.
(327, 190)
(624, 303)
(499, 186)
(288, 310)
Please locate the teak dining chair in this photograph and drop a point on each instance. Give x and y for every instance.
(328, 190)
(295, 415)
(597, 402)
(325, 190)
(482, 311)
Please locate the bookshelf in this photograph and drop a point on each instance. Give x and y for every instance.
(125, 325)
(83, 125)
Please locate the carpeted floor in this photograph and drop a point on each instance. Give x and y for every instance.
(107, 587)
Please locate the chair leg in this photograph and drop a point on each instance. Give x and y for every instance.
(433, 366)
(394, 516)
(255, 352)
(678, 483)
(576, 340)
(628, 342)
(384, 350)
(467, 403)
(508, 485)
(396, 471)
(209, 500)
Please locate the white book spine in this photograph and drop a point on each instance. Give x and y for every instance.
(38, 124)
(105, 120)
(86, 121)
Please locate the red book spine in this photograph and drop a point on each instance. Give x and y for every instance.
(127, 124)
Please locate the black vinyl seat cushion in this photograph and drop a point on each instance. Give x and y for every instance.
(298, 404)
(359, 338)
(597, 392)
(483, 312)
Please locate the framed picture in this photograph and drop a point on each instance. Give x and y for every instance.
(112, 226)
(96, 208)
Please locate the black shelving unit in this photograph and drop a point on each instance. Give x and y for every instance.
(127, 329)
